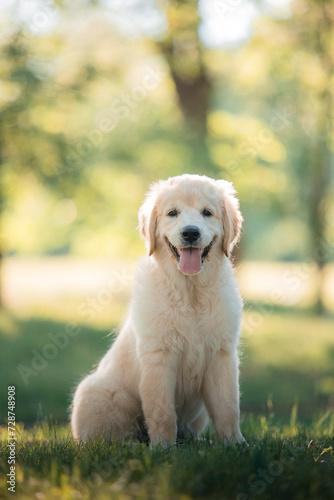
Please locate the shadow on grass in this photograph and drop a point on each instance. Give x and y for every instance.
(276, 390)
(45, 360)
(287, 359)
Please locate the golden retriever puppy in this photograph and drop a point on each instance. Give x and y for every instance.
(175, 362)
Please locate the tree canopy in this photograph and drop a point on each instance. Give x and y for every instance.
(99, 99)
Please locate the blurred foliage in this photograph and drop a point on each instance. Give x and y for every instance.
(93, 108)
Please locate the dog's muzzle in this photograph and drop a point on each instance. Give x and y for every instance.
(190, 258)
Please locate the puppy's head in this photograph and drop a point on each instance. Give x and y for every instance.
(190, 219)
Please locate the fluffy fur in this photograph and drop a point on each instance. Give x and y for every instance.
(174, 364)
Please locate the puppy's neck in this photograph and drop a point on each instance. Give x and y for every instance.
(194, 289)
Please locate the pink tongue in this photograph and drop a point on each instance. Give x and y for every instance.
(190, 260)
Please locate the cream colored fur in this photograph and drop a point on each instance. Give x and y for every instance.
(175, 362)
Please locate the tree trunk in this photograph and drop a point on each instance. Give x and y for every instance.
(183, 53)
(321, 164)
(1, 213)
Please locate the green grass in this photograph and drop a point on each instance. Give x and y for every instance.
(291, 461)
(286, 358)
(47, 390)
(287, 383)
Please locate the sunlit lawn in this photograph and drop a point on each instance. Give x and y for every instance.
(290, 461)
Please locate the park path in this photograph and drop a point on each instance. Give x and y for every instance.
(28, 282)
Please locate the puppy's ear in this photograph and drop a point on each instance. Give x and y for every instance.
(148, 222)
(232, 218)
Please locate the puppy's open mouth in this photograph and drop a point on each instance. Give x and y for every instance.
(190, 259)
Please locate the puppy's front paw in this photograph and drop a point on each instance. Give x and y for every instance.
(160, 442)
(235, 438)
(162, 433)
(240, 440)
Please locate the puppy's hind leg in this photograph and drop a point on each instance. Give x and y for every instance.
(201, 421)
(195, 427)
(101, 408)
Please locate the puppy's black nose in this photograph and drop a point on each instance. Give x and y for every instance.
(190, 234)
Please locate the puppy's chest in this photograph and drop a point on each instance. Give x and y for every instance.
(195, 335)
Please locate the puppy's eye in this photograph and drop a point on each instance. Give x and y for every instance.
(172, 213)
(207, 213)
